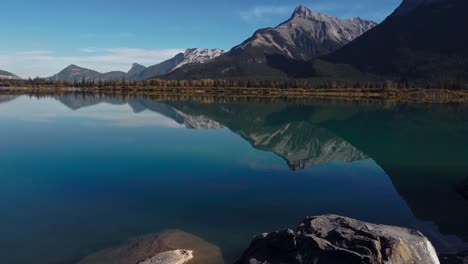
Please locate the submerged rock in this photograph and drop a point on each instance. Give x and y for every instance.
(462, 188)
(169, 247)
(334, 239)
(461, 258)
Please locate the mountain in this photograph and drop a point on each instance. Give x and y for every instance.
(420, 40)
(8, 75)
(76, 73)
(190, 56)
(136, 70)
(304, 36)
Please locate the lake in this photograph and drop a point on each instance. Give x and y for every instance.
(80, 173)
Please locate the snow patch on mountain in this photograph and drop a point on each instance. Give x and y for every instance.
(199, 56)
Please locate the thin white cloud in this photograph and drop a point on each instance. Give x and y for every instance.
(46, 63)
(262, 13)
(88, 50)
(33, 52)
(267, 13)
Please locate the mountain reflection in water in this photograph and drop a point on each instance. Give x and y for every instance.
(422, 148)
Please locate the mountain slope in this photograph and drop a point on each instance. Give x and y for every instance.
(420, 40)
(8, 75)
(136, 70)
(304, 36)
(160, 68)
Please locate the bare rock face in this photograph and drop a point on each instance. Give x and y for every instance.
(307, 34)
(169, 247)
(170, 257)
(334, 239)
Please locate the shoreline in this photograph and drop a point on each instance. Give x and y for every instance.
(415, 95)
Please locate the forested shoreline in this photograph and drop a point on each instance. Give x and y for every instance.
(241, 83)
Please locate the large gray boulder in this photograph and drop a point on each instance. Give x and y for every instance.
(334, 239)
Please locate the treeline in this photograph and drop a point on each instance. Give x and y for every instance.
(219, 83)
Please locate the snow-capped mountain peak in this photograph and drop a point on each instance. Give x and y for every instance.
(199, 56)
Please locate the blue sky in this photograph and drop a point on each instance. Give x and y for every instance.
(42, 37)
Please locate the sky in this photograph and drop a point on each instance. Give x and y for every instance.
(40, 38)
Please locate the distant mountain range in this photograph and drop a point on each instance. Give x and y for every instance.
(268, 53)
(420, 40)
(140, 72)
(4, 75)
(306, 35)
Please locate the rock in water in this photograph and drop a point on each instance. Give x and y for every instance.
(172, 246)
(170, 257)
(463, 188)
(334, 239)
(461, 258)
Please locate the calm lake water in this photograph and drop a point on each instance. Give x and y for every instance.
(81, 173)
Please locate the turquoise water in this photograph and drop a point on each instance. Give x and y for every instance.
(81, 173)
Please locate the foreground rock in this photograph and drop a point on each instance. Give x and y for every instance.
(462, 188)
(169, 247)
(339, 240)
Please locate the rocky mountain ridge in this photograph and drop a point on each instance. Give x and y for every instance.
(138, 71)
(305, 35)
